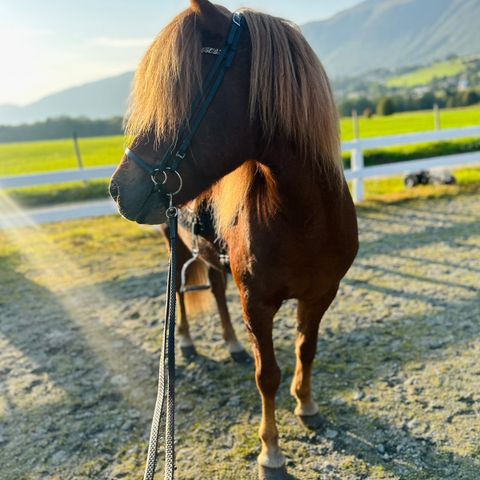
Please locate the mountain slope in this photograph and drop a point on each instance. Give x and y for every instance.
(103, 98)
(395, 33)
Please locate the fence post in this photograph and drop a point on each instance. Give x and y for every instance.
(77, 151)
(357, 166)
(356, 133)
(436, 114)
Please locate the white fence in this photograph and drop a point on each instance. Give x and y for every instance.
(357, 174)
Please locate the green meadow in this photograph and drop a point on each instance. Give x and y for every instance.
(44, 156)
(424, 76)
(409, 122)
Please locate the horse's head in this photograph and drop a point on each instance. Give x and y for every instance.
(167, 85)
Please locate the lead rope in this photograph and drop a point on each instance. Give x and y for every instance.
(166, 383)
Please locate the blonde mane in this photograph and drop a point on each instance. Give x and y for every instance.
(290, 95)
(166, 80)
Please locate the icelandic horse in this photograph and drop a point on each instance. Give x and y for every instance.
(266, 163)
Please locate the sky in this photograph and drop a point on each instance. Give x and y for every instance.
(49, 45)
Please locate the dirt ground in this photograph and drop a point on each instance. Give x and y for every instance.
(397, 374)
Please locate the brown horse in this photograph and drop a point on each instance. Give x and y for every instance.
(266, 160)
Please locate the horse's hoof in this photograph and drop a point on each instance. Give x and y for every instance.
(241, 357)
(307, 409)
(265, 473)
(312, 422)
(271, 458)
(188, 352)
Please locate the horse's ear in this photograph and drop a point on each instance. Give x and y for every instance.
(203, 7)
(208, 14)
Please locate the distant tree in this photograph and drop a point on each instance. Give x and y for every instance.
(427, 100)
(368, 113)
(359, 104)
(62, 127)
(470, 98)
(385, 106)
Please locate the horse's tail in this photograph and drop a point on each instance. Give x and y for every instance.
(197, 302)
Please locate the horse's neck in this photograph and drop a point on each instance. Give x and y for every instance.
(301, 188)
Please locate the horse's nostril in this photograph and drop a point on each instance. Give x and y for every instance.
(114, 190)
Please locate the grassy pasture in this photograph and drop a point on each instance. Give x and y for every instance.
(51, 155)
(424, 76)
(410, 122)
(44, 156)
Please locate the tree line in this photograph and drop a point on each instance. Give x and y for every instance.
(389, 104)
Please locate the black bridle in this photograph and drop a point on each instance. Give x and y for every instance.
(211, 85)
(170, 163)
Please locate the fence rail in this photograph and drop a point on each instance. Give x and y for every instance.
(357, 174)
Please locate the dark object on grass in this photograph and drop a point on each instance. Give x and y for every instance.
(424, 177)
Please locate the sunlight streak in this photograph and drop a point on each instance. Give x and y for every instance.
(46, 263)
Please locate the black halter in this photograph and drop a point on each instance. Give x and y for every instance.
(177, 152)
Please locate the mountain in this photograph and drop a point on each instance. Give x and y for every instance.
(374, 34)
(395, 33)
(100, 99)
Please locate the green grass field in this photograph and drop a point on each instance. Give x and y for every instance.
(409, 122)
(44, 156)
(424, 76)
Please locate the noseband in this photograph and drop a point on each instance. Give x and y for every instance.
(212, 83)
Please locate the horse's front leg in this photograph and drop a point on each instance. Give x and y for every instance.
(258, 318)
(309, 315)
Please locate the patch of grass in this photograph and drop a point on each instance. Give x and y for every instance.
(423, 76)
(416, 152)
(51, 155)
(392, 190)
(30, 197)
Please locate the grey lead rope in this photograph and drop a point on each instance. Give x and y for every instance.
(166, 383)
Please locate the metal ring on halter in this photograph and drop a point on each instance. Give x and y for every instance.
(171, 212)
(154, 175)
(180, 184)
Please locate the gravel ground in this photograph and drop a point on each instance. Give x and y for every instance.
(397, 374)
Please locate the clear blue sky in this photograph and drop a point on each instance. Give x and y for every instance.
(51, 44)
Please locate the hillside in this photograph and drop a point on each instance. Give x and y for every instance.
(395, 33)
(425, 75)
(101, 99)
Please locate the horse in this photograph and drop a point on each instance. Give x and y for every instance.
(265, 161)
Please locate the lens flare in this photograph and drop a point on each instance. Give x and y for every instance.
(49, 264)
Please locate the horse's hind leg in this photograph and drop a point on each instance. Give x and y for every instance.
(218, 282)
(309, 316)
(259, 321)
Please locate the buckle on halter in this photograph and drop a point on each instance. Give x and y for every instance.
(237, 19)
